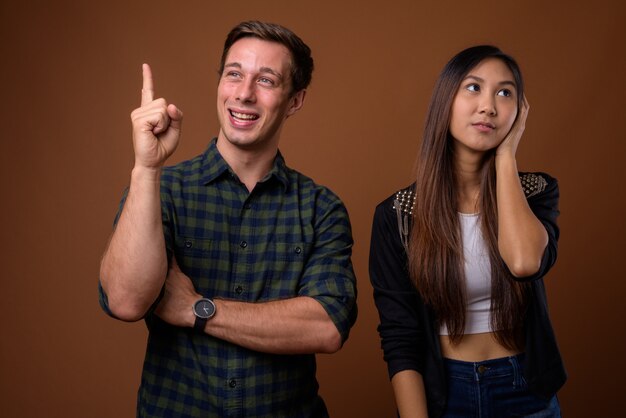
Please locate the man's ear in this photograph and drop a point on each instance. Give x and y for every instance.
(296, 102)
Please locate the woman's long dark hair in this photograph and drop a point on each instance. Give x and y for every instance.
(436, 255)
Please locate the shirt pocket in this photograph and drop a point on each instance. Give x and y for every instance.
(197, 257)
(193, 247)
(284, 265)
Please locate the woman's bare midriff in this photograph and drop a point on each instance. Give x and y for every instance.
(474, 348)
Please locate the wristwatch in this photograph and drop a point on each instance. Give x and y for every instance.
(203, 309)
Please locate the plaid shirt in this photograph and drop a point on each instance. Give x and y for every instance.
(289, 237)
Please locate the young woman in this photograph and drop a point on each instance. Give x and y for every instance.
(457, 259)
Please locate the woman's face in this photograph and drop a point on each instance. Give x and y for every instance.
(485, 106)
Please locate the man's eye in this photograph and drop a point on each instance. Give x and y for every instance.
(232, 74)
(265, 80)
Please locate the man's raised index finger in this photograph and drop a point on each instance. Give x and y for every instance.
(147, 91)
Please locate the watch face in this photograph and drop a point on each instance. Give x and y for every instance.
(204, 308)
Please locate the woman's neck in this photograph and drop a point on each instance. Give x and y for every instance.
(468, 169)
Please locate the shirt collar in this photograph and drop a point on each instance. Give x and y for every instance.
(279, 171)
(214, 166)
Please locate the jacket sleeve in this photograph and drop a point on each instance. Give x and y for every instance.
(545, 206)
(394, 295)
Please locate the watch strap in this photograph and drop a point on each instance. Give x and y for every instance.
(200, 323)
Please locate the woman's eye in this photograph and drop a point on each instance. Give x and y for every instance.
(505, 93)
(473, 87)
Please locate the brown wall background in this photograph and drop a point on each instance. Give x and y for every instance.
(71, 75)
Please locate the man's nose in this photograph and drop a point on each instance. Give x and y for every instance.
(246, 91)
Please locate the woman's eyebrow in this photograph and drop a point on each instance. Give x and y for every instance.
(501, 83)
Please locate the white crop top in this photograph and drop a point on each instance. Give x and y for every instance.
(477, 277)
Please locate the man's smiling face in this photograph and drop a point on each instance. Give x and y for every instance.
(254, 94)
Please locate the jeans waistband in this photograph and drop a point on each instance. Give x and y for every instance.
(486, 369)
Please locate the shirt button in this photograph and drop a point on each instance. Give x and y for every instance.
(298, 250)
(239, 290)
(243, 244)
(188, 244)
(247, 206)
(232, 383)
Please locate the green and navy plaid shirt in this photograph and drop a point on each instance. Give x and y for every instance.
(289, 237)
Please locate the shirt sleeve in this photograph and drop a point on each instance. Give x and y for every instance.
(328, 274)
(396, 298)
(102, 296)
(545, 206)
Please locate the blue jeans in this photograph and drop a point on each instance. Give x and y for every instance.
(493, 389)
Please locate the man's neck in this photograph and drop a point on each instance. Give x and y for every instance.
(250, 165)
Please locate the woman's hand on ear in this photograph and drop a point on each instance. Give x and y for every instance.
(511, 141)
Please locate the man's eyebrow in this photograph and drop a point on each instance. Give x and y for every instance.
(271, 71)
(261, 70)
(501, 83)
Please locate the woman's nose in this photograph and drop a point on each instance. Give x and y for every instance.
(488, 105)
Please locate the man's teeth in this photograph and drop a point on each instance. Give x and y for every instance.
(245, 116)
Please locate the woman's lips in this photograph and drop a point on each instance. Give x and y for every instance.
(484, 126)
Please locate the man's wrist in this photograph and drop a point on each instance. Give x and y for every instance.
(203, 309)
(142, 173)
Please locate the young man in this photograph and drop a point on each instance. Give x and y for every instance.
(239, 265)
